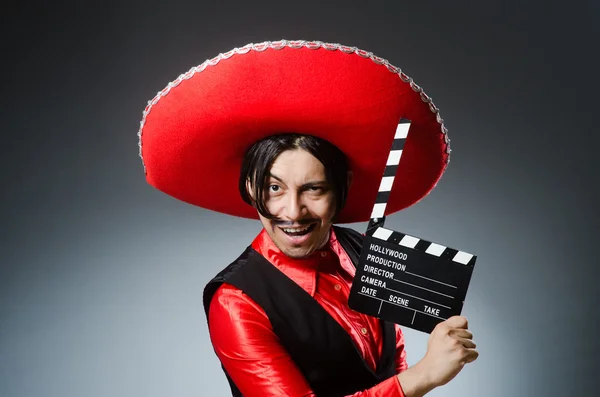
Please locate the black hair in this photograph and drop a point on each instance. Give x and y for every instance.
(259, 159)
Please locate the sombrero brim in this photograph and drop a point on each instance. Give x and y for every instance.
(195, 132)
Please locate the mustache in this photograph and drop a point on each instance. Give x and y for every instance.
(302, 222)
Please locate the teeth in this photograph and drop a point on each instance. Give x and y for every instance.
(295, 230)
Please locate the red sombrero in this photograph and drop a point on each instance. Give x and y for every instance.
(194, 133)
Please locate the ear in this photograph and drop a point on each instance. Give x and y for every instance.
(250, 191)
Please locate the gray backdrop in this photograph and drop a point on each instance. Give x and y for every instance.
(101, 276)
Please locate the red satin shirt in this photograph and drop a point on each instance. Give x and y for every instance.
(244, 341)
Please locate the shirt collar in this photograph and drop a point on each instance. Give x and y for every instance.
(331, 258)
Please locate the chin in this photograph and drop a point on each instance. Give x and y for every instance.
(298, 253)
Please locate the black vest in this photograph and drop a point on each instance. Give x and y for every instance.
(321, 348)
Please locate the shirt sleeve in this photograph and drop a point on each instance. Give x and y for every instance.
(401, 363)
(257, 363)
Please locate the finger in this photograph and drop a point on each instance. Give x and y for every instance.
(461, 333)
(467, 343)
(471, 355)
(457, 322)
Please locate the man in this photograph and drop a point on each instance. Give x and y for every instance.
(278, 315)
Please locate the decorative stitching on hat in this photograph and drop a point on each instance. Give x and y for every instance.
(278, 45)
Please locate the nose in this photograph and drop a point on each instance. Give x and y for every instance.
(294, 208)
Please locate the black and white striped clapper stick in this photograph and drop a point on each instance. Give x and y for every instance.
(389, 173)
(406, 279)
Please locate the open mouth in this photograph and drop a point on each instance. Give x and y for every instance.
(298, 231)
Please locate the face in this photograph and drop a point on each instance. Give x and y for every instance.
(302, 201)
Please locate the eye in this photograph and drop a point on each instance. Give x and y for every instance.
(274, 188)
(315, 188)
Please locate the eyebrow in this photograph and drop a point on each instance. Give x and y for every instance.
(311, 183)
(275, 177)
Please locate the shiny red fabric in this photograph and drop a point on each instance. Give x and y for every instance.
(244, 341)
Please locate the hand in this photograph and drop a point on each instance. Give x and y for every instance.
(449, 348)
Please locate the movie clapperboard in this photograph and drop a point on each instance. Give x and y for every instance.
(402, 278)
